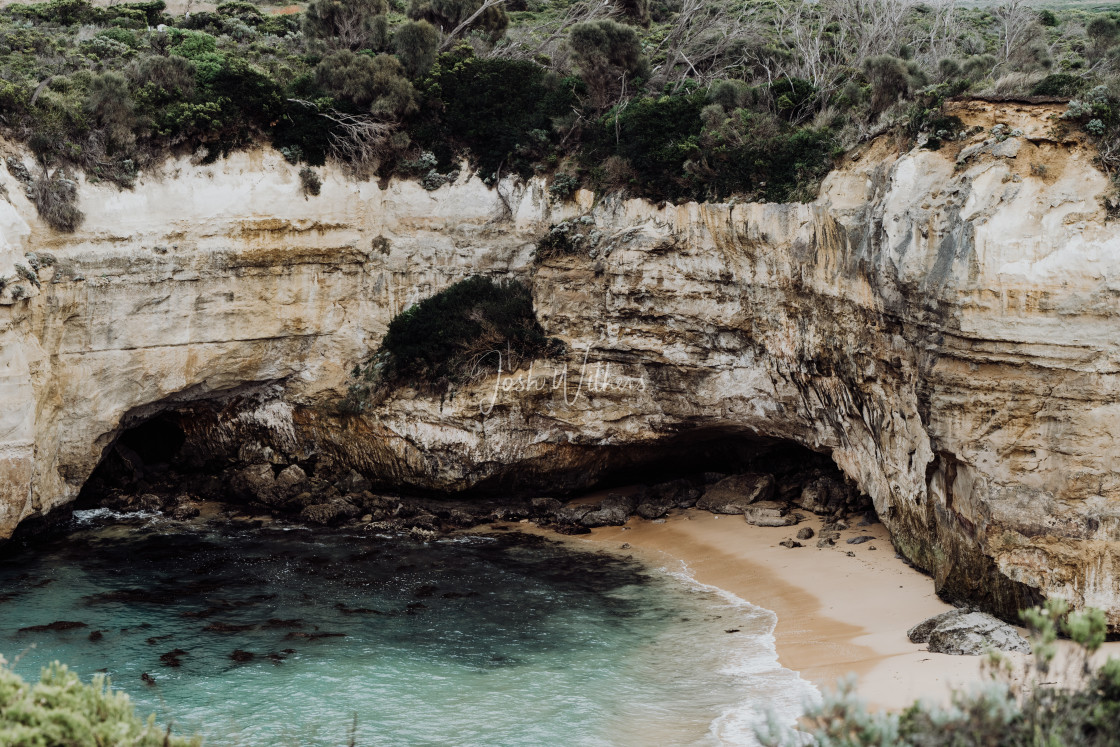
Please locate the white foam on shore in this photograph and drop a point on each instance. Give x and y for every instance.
(786, 694)
(86, 517)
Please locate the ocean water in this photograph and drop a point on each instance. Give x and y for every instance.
(278, 635)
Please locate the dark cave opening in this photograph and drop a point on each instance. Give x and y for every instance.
(157, 440)
(181, 456)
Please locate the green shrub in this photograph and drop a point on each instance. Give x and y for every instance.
(55, 197)
(445, 339)
(348, 24)
(656, 136)
(1057, 84)
(416, 43)
(310, 182)
(608, 54)
(62, 710)
(373, 83)
(500, 110)
(564, 186)
(448, 14)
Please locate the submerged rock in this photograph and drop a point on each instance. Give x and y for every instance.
(964, 632)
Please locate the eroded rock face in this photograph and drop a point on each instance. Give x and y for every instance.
(943, 323)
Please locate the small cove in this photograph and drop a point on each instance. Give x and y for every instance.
(278, 634)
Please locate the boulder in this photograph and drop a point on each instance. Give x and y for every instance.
(613, 511)
(860, 539)
(656, 507)
(824, 495)
(769, 514)
(688, 498)
(332, 512)
(290, 481)
(255, 482)
(544, 507)
(574, 513)
(733, 494)
(805, 533)
(790, 543)
(967, 633)
(353, 482)
(185, 511)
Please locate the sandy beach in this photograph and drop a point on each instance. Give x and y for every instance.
(841, 610)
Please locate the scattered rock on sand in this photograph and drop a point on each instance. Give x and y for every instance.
(860, 539)
(790, 543)
(963, 632)
(733, 494)
(805, 533)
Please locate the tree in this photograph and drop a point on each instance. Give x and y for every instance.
(891, 79)
(416, 44)
(636, 10)
(348, 24)
(374, 82)
(486, 16)
(608, 55)
(111, 105)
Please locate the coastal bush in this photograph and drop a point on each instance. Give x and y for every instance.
(310, 182)
(472, 327)
(499, 111)
(55, 196)
(447, 15)
(348, 24)
(609, 56)
(62, 710)
(1080, 708)
(534, 85)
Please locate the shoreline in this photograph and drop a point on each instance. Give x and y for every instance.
(836, 614)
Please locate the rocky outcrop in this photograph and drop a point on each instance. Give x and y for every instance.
(967, 633)
(942, 323)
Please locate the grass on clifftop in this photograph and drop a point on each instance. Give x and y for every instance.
(62, 710)
(473, 327)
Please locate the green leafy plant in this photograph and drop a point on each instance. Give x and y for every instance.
(470, 328)
(62, 710)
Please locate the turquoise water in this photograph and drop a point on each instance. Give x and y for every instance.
(489, 639)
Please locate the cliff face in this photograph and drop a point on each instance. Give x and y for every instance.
(942, 322)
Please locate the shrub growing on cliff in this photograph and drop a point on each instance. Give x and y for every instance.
(55, 196)
(61, 710)
(472, 327)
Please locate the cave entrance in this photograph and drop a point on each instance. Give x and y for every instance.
(141, 458)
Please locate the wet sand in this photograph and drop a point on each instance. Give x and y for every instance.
(837, 614)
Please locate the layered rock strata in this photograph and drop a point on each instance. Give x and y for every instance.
(942, 323)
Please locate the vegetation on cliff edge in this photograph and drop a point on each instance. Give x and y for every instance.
(668, 99)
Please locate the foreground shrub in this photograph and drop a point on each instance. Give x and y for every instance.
(1085, 710)
(471, 328)
(61, 710)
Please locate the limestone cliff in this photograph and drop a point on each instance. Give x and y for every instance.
(942, 322)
